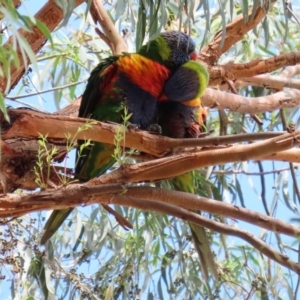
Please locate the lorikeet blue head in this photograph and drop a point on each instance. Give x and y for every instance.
(170, 48)
(187, 83)
(180, 114)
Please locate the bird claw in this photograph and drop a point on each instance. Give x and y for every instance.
(129, 125)
(132, 126)
(155, 129)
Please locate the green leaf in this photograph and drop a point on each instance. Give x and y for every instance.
(141, 25)
(67, 7)
(44, 29)
(3, 108)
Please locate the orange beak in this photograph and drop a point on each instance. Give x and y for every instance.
(194, 55)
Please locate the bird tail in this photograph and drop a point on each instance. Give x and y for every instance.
(55, 220)
(186, 183)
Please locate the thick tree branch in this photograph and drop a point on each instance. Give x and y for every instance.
(57, 126)
(291, 155)
(111, 35)
(86, 194)
(75, 194)
(165, 168)
(219, 74)
(19, 142)
(222, 100)
(235, 31)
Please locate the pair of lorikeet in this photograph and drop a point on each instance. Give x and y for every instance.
(160, 84)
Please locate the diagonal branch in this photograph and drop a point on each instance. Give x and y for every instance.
(235, 31)
(111, 35)
(85, 194)
(71, 195)
(219, 74)
(29, 124)
(166, 168)
(222, 228)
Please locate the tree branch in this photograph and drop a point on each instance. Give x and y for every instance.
(57, 126)
(111, 35)
(147, 199)
(222, 100)
(291, 155)
(19, 153)
(219, 74)
(235, 31)
(87, 194)
(222, 228)
(166, 168)
(270, 82)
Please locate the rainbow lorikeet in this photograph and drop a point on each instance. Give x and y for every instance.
(132, 81)
(181, 115)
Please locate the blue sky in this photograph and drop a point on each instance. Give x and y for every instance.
(250, 184)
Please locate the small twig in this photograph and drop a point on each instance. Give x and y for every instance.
(120, 219)
(223, 122)
(33, 107)
(249, 173)
(105, 39)
(295, 182)
(298, 279)
(292, 170)
(100, 15)
(231, 86)
(13, 98)
(288, 7)
(126, 33)
(263, 188)
(257, 119)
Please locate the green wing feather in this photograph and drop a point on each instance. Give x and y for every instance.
(99, 154)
